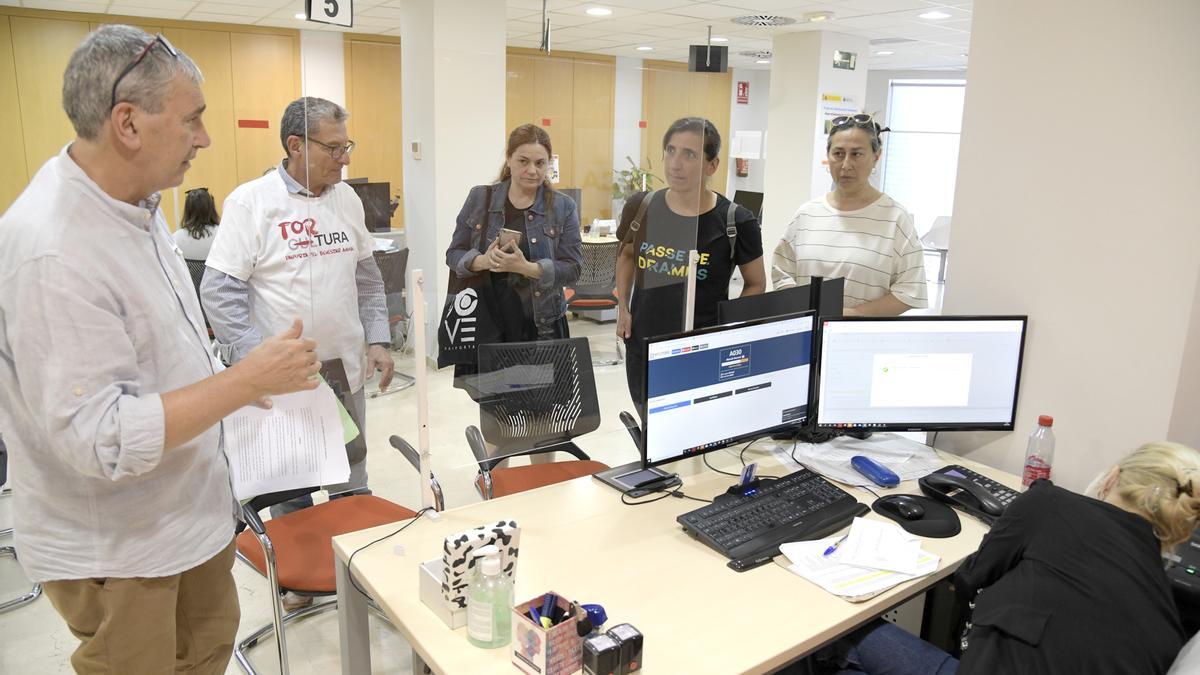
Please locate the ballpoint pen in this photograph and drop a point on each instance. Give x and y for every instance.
(834, 546)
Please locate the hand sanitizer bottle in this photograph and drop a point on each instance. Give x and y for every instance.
(489, 603)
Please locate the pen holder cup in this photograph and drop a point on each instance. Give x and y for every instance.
(540, 651)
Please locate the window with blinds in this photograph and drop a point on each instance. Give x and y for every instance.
(920, 159)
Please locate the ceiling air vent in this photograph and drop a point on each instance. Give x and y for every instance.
(763, 20)
(760, 54)
(890, 41)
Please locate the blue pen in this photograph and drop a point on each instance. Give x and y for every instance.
(548, 604)
(835, 545)
(533, 614)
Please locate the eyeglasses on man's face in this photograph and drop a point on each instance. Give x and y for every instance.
(158, 40)
(335, 151)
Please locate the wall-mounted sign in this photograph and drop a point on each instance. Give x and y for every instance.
(336, 12)
(743, 92)
(844, 60)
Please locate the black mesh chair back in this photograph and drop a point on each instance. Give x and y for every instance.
(598, 276)
(536, 396)
(392, 266)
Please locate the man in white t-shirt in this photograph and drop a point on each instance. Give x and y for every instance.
(294, 242)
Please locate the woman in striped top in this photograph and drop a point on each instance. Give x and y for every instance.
(855, 232)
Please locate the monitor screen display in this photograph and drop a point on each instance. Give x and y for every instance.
(751, 201)
(928, 373)
(709, 388)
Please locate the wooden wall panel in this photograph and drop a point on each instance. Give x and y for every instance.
(215, 167)
(574, 92)
(554, 101)
(41, 49)
(265, 80)
(373, 97)
(593, 137)
(518, 92)
(14, 174)
(669, 92)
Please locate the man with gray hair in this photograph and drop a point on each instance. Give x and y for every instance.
(295, 240)
(123, 505)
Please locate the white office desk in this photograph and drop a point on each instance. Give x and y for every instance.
(577, 538)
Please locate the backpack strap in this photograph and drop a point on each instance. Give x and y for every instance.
(640, 216)
(731, 229)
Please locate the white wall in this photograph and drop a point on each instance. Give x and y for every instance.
(1086, 224)
(627, 112)
(801, 71)
(323, 65)
(453, 67)
(748, 117)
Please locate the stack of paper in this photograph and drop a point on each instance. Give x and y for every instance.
(905, 458)
(872, 558)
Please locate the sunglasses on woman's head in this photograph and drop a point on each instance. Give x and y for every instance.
(846, 120)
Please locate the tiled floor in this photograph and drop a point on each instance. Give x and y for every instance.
(33, 639)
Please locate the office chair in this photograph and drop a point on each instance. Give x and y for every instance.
(392, 267)
(36, 591)
(295, 551)
(534, 398)
(596, 289)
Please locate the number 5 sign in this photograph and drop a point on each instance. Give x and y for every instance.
(336, 12)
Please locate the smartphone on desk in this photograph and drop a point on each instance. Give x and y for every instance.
(508, 237)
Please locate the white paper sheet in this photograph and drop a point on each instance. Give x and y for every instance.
(878, 545)
(847, 581)
(907, 459)
(295, 444)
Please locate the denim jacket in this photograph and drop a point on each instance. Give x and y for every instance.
(554, 243)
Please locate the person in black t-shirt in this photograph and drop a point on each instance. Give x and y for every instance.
(652, 263)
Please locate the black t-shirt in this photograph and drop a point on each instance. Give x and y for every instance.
(661, 247)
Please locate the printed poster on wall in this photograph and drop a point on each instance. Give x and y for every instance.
(743, 92)
(836, 105)
(553, 172)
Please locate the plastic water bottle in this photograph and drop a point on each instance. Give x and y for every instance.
(1040, 454)
(490, 604)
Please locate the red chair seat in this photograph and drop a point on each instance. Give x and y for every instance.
(591, 303)
(303, 552)
(516, 479)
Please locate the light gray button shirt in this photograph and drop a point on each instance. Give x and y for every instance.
(98, 318)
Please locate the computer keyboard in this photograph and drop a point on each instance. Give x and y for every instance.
(748, 529)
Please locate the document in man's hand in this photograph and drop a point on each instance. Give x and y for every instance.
(297, 443)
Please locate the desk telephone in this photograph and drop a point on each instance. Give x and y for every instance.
(968, 491)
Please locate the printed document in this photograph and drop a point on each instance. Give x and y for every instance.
(848, 581)
(297, 443)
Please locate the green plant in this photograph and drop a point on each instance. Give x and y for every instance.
(633, 180)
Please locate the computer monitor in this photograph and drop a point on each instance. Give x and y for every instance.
(377, 204)
(752, 201)
(712, 387)
(823, 296)
(921, 373)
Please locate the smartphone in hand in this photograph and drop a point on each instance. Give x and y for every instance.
(508, 240)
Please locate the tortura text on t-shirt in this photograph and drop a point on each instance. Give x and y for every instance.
(299, 255)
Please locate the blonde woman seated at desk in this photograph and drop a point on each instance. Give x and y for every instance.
(1063, 583)
(855, 232)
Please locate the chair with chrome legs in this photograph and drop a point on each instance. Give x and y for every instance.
(295, 551)
(535, 397)
(392, 266)
(33, 593)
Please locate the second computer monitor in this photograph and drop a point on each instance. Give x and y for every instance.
(926, 373)
(709, 388)
(752, 201)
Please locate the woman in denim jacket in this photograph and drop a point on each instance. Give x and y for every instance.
(526, 278)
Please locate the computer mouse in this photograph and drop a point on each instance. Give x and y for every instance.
(907, 507)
